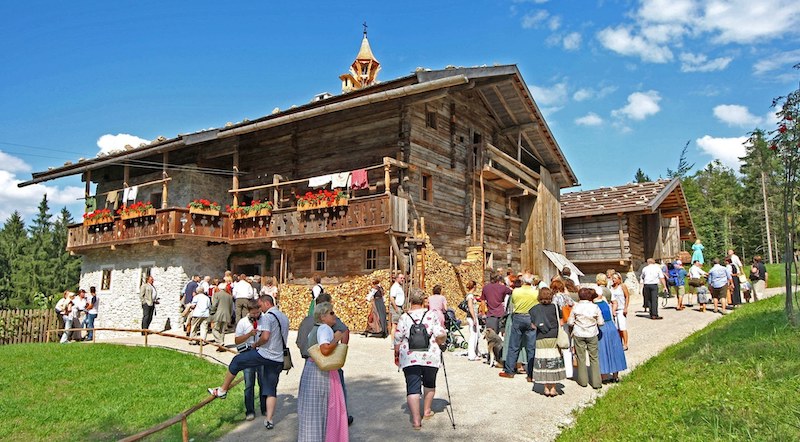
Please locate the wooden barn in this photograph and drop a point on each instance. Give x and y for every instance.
(464, 151)
(620, 227)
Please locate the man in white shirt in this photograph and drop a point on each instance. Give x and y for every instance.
(206, 284)
(735, 260)
(397, 299)
(651, 276)
(201, 306)
(242, 292)
(244, 335)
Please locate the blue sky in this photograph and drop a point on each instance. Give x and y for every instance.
(623, 84)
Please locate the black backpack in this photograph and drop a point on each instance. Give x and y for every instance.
(418, 337)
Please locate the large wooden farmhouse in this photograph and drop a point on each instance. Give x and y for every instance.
(621, 226)
(464, 151)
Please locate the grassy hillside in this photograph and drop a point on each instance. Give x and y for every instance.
(103, 392)
(737, 379)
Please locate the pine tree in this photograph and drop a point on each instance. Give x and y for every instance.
(640, 177)
(68, 267)
(13, 241)
(683, 165)
(33, 273)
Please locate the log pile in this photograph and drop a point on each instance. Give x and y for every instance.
(349, 298)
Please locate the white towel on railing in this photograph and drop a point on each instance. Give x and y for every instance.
(125, 192)
(133, 191)
(340, 180)
(319, 181)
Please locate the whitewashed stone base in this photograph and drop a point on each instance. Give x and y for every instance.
(172, 264)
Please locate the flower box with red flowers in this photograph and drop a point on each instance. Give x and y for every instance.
(204, 207)
(136, 210)
(322, 199)
(255, 209)
(99, 216)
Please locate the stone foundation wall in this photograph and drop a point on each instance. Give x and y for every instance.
(171, 267)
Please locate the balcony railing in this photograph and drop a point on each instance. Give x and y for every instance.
(170, 223)
(363, 215)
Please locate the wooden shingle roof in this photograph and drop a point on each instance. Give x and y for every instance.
(661, 195)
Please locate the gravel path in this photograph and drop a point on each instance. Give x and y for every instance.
(486, 406)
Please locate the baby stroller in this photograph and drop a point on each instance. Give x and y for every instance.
(455, 339)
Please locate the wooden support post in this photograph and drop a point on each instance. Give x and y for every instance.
(401, 258)
(621, 238)
(185, 429)
(519, 146)
(126, 176)
(235, 185)
(483, 209)
(87, 191)
(164, 187)
(275, 201)
(146, 333)
(387, 176)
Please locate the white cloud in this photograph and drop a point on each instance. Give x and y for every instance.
(726, 150)
(700, 63)
(640, 106)
(109, 143)
(736, 115)
(667, 11)
(572, 41)
(623, 41)
(556, 95)
(534, 19)
(747, 21)
(554, 23)
(656, 27)
(588, 93)
(782, 61)
(10, 163)
(590, 119)
(25, 199)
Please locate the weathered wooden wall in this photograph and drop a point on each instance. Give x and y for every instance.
(636, 238)
(543, 230)
(346, 256)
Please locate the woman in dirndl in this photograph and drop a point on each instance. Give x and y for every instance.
(321, 409)
(609, 344)
(548, 365)
(376, 320)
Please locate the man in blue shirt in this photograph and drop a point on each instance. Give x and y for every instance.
(719, 279)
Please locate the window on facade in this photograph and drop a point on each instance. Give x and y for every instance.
(430, 119)
(320, 260)
(155, 199)
(427, 187)
(145, 272)
(477, 138)
(105, 280)
(371, 259)
(489, 260)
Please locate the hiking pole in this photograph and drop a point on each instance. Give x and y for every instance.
(449, 400)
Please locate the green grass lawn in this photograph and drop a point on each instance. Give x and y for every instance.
(103, 392)
(775, 275)
(737, 379)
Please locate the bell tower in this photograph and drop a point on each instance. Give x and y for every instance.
(364, 70)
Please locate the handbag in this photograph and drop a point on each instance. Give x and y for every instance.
(562, 341)
(333, 361)
(287, 355)
(464, 306)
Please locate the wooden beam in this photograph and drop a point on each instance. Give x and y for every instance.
(235, 183)
(503, 103)
(401, 257)
(511, 130)
(164, 187)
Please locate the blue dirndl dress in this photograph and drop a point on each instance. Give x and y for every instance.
(609, 344)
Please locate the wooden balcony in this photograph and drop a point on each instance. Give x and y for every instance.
(167, 224)
(364, 215)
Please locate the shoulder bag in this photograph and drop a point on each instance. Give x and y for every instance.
(562, 341)
(333, 361)
(287, 356)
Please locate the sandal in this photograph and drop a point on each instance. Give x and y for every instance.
(430, 415)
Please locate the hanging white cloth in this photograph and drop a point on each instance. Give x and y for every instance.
(133, 191)
(125, 193)
(340, 180)
(319, 181)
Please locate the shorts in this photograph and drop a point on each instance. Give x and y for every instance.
(679, 290)
(397, 312)
(622, 321)
(272, 371)
(418, 376)
(719, 293)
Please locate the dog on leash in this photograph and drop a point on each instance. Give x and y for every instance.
(495, 344)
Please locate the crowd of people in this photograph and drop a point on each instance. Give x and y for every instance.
(548, 331)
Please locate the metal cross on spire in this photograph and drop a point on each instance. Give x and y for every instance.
(365, 28)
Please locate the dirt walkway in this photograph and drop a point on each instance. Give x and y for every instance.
(486, 406)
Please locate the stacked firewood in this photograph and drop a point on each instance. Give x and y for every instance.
(349, 298)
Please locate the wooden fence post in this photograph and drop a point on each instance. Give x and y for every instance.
(185, 429)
